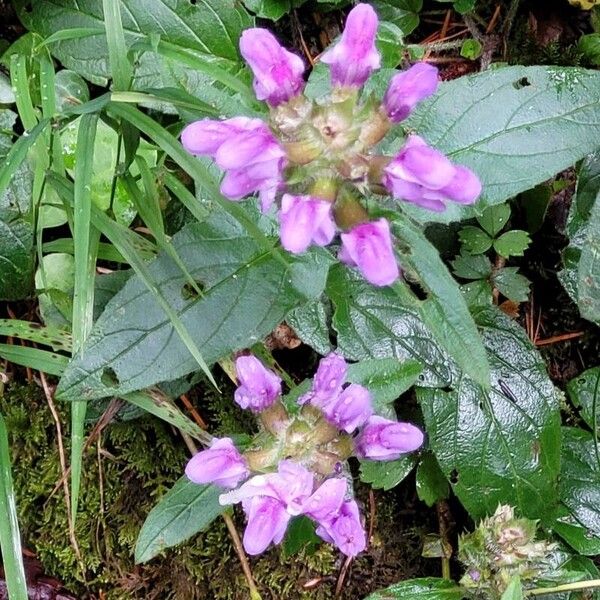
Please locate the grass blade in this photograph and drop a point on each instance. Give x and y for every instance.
(120, 67)
(10, 540)
(48, 335)
(34, 358)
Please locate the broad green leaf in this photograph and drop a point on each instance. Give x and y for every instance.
(474, 240)
(183, 511)
(508, 148)
(580, 491)
(311, 324)
(512, 284)
(402, 13)
(300, 534)
(445, 312)
(269, 9)
(469, 266)
(428, 588)
(16, 256)
(514, 591)
(70, 90)
(371, 322)
(387, 379)
(390, 43)
(589, 45)
(386, 474)
(494, 218)
(432, 485)
(10, 539)
(512, 243)
(54, 282)
(247, 292)
(584, 393)
(477, 293)
(501, 445)
(588, 271)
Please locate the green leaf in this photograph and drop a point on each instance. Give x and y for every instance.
(477, 293)
(10, 539)
(386, 474)
(494, 218)
(387, 379)
(54, 282)
(183, 511)
(474, 240)
(428, 588)
(402, 13)
(514, 591)
(372, 322)
(471, 49)
(16, 256)
(390, 44)
(584, 393)
(34, 358)
(470, 266)
(588, 271)
(300, 534)
(432, 485)
(246, 293)
(269, 9)
(580, 491)
(589, 46)
(445, 311)
(508, 148)
(70, 90)
(500, 445)
(56, 338)
(512, 284)
(512, 243)
(310, 321)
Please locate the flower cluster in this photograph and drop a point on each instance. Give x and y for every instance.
(319, 159)
(296, 464)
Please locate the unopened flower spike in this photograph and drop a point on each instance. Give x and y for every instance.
(297, 468)
(317, 161)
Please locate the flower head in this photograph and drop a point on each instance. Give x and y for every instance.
(355, 57)
(368, 246)
(424, 176)
(408, 88)
(303, 220)
(220, 464)
(277, 72)
(382, 439)
(259, 387)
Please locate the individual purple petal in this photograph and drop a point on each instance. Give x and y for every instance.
(328, 381)
(325, 503)
(345, 530)
(382, 439)
(267, 522)
(355, 56)
(304, 219)
(259, 387)
(368, 246)
(350, 409)
(408, 88)
(277, 72)
(220, 464)
(247, 148)
(465, 186)
(206, 136)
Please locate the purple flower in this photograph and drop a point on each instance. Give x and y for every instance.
(259, 387)
(277, 72)
(344, 529)
(368, 246)
(328, 381)
(267, 522)
(246, 149)
(424, 176)
(382, 439)
(303, 220)
(350, 409)
(355, 56)
(407, 89)
(220, 464)
(326, 501)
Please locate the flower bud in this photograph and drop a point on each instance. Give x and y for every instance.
(328, 381)
(407, 89)
(344, 529)
(277, 72)
(382, 439)
(355, 56)
(350, 409)
(221, 464)
(259, 387)
(368, 246)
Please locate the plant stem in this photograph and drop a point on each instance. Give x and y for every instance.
(567, 587)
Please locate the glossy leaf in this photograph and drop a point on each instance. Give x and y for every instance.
(432, 485)
(183, 511)
(588, 271)
(402, 13)
(373, 323)
(474, 239)
(512, 243)
(386, 474)
(494, 218)
(300, 534)
(246, 293)
(428, 588)
(16, 256)
(512, 284)
(500, 445)
(584, 393)
(509, 148)
(311, 324)
(469, 266)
